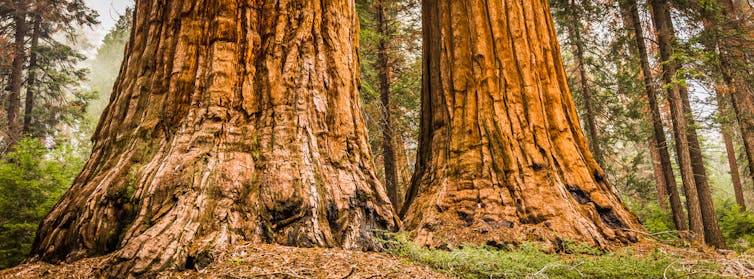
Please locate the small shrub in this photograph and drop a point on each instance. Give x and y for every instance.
(736, 225)
(32, 180)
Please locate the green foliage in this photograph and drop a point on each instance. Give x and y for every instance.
(736, 225)
(403, 36)
(106, 65)
(60, 95)
(32, 180)
(530, 261)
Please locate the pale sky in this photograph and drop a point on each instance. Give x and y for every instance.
(109, 11)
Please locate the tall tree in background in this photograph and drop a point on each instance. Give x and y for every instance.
(19, 10)
(727, 130)
(501, 149)
(717, 66)
(630, 14)
(383, 8)
(702, 219)
(45, 31)
(575, 30)
(228, 123)
(53, 92)
(730, 36)
(735, 55)
(391, 81)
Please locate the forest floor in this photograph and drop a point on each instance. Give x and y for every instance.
(260, 261)
(405, 260)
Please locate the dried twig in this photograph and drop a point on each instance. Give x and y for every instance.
(353, 269)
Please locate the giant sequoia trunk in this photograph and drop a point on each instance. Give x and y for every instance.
(502, 156)
(230, 121)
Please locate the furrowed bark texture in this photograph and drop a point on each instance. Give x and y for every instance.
(502, 158)
(230, 121)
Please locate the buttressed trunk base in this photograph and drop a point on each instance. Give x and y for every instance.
(229, 122)
(502, 157)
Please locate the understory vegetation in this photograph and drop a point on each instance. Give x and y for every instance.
(529, 260)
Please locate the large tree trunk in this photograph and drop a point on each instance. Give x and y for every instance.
(17, 72)
(229, 122)
(502, 158)
(31, 87)
(385, 74)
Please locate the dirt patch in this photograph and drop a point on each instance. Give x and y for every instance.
(257, 261)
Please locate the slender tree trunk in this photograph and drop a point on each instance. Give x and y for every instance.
(712, 23)
(31, 87)
(662, 189)
(577, 42)
(404, 168)
(631, 13)
(733, 64)
(17, 73)
(712, 234)
(229, 122)
(723, 105)
(385, 73)
(665, 38)
(502, 157)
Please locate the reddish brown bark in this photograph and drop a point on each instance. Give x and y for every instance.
(385, 76)
(229, 122)
(631, 15)
(502, 158)
(736, 19)
(702, 219)
(17, 72)
(31, 87)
